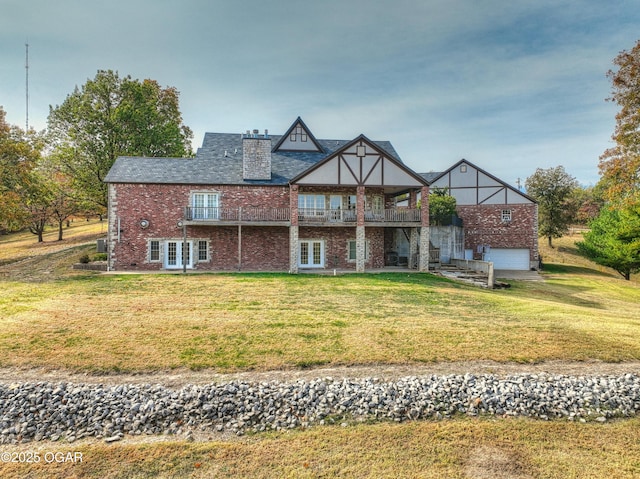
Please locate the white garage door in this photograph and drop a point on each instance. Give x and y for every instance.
(509, 258)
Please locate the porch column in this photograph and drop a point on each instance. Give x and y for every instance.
(293, 229)
(413, 247)
(360, 230)
(424, 230)
(293, 249)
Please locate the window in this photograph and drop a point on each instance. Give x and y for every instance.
(506, 216)
(154, 250)
(203, 250)
(463, 168)
(298, 132)
(205, 206)
(352, 250)
(310, 205)
(377, 203)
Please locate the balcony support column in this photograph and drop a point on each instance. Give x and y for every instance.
(360, 230)
(240, 247)
(293, 229)
(425, 233)
(413, 248)
(293, 248)
(360, 249)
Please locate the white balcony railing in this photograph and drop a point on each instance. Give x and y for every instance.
(305, 215)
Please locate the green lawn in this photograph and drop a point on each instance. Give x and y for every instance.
(229, 322)
(272, 321)
(460, 448)
(54, 318)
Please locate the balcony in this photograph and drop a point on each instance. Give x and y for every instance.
(348, 217)
(400, 217)
(236, 216)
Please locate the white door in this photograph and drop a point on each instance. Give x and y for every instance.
(509, 258)
(173, 255)
(335, 205)
(205, 206)
(311, 254)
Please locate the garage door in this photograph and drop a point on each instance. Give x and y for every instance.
(509, 258)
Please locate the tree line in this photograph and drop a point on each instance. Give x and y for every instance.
(50, 176)
(611, 208)
(47, 177)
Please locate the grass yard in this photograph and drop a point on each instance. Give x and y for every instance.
(231, 322)
(54, 318)
(459, 448)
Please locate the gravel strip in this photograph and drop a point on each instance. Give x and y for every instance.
(53, 411)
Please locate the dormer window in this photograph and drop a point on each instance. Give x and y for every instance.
(298, 134)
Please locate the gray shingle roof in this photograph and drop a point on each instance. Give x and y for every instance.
(430, 176)
(219, 162)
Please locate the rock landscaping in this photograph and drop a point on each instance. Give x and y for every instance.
(38, 411)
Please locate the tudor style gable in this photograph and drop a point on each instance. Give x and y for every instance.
(471, 185)
(360, 163)
(298, 138)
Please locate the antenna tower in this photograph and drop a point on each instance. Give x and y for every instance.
(26, 66)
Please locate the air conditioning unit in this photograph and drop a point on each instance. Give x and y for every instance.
(101, 246)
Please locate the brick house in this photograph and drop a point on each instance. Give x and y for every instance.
(500, 222)
(260, 202)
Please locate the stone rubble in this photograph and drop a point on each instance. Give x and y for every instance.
(67, 411)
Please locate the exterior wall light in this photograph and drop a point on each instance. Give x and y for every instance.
(180, 224)
(144, 224)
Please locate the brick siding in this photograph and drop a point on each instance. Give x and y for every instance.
(483, 225)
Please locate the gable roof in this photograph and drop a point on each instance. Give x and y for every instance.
(493, 188)
(219, 162)
(360, 162)
(285, 143)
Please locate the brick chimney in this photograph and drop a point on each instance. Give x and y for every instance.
(256, 156)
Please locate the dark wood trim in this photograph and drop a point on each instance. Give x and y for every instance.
(373, 168)
(341, 158)
(284, 137)
(500, 190)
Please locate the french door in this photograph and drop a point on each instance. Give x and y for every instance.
(173, 255)
(311, 254)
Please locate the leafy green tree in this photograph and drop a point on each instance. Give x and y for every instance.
(614, 240)
(110, 117)
(37, 202)
(552, 189)
(442, 206)
(587, 202)
(63, 202)
(620, 165)
(19, 182)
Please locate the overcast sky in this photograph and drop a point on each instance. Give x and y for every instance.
(510, 85)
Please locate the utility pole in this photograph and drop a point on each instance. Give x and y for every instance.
(26, 66)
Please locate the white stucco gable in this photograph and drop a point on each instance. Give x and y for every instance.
(471, 185)
(360, 163)
(298, 138)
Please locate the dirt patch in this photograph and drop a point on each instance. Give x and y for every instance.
(486, 462)
(180, 377)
